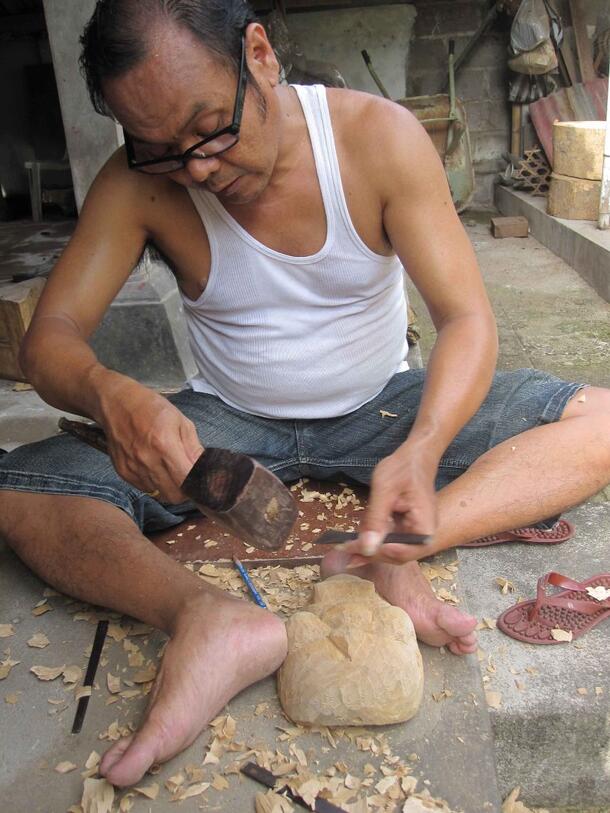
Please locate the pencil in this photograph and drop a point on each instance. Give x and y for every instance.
(253, 591)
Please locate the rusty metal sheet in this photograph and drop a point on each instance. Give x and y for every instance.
(581, 102)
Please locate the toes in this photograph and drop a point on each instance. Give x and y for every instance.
(114, 754)
(455, 622)
(132, 758)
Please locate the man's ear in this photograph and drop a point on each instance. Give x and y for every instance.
(262, 61)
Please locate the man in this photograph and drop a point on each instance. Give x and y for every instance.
(285, 215)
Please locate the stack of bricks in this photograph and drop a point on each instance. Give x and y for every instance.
(482, 82)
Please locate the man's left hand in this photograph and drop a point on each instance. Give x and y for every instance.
(402, 499)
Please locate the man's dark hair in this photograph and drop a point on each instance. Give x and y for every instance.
(116, 37)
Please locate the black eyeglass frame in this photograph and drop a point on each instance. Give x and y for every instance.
(231, 129)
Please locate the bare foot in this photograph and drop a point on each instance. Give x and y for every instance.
(436, 623)
(220, 646)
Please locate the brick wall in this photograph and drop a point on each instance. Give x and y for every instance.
(481, 82)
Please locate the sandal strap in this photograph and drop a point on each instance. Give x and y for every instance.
(558, 580)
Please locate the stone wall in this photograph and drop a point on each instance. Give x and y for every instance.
(481, 84)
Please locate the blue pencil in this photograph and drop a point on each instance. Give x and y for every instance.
(254, 592)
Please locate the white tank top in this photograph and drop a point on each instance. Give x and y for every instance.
(297, 337)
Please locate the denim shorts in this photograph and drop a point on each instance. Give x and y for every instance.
(347, 447)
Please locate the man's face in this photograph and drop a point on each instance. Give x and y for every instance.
(181, 93)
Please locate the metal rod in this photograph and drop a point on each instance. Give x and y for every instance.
(94, 659)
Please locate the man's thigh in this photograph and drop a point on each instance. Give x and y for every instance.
(353, 444)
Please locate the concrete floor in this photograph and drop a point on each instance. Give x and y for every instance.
(549, 318)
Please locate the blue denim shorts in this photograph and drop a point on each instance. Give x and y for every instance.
(347, 447)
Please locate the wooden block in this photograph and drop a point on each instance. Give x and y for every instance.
(578, 148)
(574, 198)
(510, 226)
(17, 304)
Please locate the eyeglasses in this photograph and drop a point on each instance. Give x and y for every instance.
(211, 146)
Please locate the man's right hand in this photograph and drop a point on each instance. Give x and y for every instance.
(152, 445)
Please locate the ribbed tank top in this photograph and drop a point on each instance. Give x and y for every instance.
(297, 337)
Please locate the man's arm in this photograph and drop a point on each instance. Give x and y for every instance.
(151, 444)
(423, 228)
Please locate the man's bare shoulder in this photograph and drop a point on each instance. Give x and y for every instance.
(379, 133)
(137, 196)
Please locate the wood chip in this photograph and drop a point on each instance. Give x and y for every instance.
(48, 672)
(505, 585)
(83, 691)
(39, 640)
(126, 803)
(12, 699)
(599, 593)
(271, 802)
(72, 674)
(512, 805)
(98, 796)
(6, 630)
(494, 699)
(113, 683)
(385, 414)
(146, 675)
(93, 760)
(41, 608)
(583, 691)
(6, 666)
(191, 791)
(150, 791)
(561, 635)
(219, 782)
(65, 767)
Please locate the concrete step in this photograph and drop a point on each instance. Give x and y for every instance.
(552, 735)
(579, 242)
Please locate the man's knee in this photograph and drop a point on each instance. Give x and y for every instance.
(589, 401)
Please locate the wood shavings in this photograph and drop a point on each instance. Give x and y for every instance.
(146, 675)
(599, 690)
(170, 541)
(191, 791)
(385, 414)
(12, 699)
(219, 782)
(438, 697)
(98, 796)
(83, 691)
(116, 632)
(582, 692)
(150, 791)
(214, 752)
(423, 804)
(445, 595)
(224, 727)
(6, 630)
(487, 624)
(512, 805)
(505, 585)
(126, 803)
(561, 635)
(599, 593)
(174, 782)
(272, 802)
(6, 666)
(41, 608)
(39, 641)
(113, 683)
(48, 672)
(72, 674)
(93, 760)
(65, 767)
(494, 699)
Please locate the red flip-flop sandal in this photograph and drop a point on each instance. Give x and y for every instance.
(573, 609)
(560, 532)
